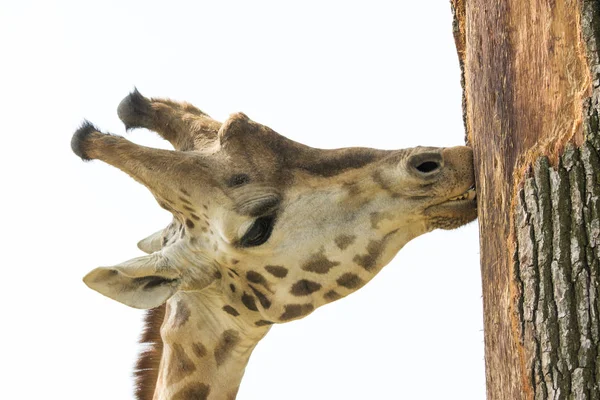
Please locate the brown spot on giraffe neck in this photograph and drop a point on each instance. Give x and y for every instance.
(332, 295)
(182, 314)
(255, 277)
(199, 349)
(350, 281)
(263, 322)
(230, 310)
(304, 287)
(277, 271)
(249, 302)
(180, 365)
(195, 391)
(228, 340)
(343, 241)
(264, 301)
(295, 311)
(318, 263)
(369, 261)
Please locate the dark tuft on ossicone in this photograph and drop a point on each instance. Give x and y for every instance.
(134, 109)
(78, 141)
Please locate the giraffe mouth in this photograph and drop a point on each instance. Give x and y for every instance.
(455, 211)
(465, 202)
(470, 194)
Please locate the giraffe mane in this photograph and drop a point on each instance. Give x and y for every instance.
(147, 365)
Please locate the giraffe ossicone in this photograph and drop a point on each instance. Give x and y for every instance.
(265, 230)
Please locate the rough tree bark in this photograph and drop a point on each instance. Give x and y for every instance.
(531, 81)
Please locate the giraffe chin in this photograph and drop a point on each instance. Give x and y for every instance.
(452, 213)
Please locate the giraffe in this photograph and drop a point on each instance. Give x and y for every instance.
(264, 231)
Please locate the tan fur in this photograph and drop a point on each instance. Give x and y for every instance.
(265, 230)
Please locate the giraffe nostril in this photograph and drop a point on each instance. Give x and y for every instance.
(428, 166)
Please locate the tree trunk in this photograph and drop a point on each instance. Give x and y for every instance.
(531, 77)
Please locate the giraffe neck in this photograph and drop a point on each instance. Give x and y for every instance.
(204, 352)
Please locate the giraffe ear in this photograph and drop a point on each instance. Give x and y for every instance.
(138, 283)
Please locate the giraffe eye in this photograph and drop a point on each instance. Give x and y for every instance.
(259, 232)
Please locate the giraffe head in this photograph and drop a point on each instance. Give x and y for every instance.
(271, 227)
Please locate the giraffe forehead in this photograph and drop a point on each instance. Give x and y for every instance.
(253, 153)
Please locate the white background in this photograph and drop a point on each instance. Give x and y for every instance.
(328, 74)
